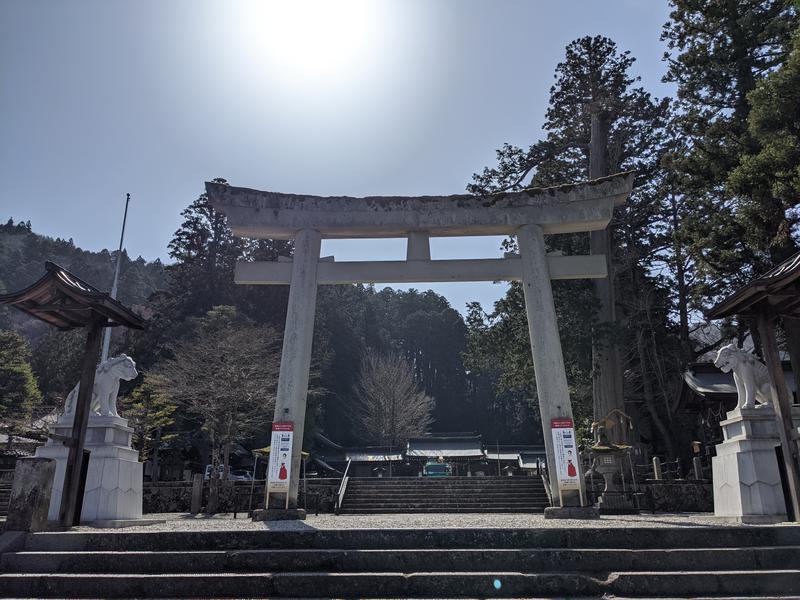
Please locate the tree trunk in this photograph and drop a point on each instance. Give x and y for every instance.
(606, 371)
(683, 292)
(649, 398)
(213, 489)
(154, 474)
(226, 461)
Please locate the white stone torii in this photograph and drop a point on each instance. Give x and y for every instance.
(529, 215)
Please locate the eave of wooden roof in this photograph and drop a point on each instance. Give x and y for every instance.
(65, 301)
(777, 290)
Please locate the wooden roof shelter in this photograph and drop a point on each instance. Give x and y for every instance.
(777, 290)
(65, 301)
(773, 295)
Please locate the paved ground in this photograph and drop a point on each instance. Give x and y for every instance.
(183, 522)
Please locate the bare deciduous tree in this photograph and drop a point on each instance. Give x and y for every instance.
(224, 373)
(390, 406)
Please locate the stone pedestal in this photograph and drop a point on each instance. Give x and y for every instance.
(114, 480)
(29, 505)
(747, 483)
(609, 465)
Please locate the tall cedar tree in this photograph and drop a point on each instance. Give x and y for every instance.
(718, 51)
(594, 77)
(205, 253)
(19, 393)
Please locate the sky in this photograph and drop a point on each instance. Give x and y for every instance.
(328, 97)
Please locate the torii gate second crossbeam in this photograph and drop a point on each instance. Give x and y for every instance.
(529, 215)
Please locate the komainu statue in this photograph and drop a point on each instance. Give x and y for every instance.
(753, 383)
(106, 386)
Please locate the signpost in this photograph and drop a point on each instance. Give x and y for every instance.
(280, 460)
(567, 461)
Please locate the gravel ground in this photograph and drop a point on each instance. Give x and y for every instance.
(186, 522)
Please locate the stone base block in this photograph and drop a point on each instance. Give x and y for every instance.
(114, 479)
(571, 512)
(120, 523)
(753, 519)
(747, 482)
(279, 514)
(29, 505)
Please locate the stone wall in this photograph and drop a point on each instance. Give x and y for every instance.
(665, 495)
(175, 496)
(681, 495)
(678, 496)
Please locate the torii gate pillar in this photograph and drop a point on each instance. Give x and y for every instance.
(290, 404)
(548, 359)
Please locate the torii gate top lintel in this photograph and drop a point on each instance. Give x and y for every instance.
(562, 209)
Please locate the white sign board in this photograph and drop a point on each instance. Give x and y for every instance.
(566, 454)
(280, 457)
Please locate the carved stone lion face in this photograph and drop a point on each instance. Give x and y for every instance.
(126, 369)
(726, 359)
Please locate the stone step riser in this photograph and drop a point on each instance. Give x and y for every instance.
(447, 497)
(398, 585)
(584, 537)
(407, 561)
(472, 493)
(438, 509)
(434, 503)
(485, 486)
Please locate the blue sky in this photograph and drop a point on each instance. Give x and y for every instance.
(367, 97)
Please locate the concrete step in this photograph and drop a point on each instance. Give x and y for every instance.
(447, 489)
(524, 560)
(450, 538)
(428, 503)
(446, 484)
(432, 584)
(441, 510)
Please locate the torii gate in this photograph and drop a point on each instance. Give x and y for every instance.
(529, 215)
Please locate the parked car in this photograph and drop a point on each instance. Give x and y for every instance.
(434, 468)
(233, 474)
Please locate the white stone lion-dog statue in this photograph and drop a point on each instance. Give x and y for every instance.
(106, 386)
(753, 383)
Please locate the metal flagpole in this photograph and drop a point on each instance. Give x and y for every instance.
(107, 333)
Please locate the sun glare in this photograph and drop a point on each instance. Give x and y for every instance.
(309, 41)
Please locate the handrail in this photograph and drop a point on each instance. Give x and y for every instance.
(343, 486)
(546, 481)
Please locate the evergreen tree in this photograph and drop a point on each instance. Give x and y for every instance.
(769, 178)
(150, 413)
(594, 90)
(718, 51)
(205, 251)
(19, 393)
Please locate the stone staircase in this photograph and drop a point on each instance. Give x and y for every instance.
(408, 563)
(372, 495)
(5, 497)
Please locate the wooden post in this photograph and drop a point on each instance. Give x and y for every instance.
(72, 474)
(783, 407)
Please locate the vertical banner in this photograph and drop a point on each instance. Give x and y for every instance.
(280, 457)
(566, 454)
